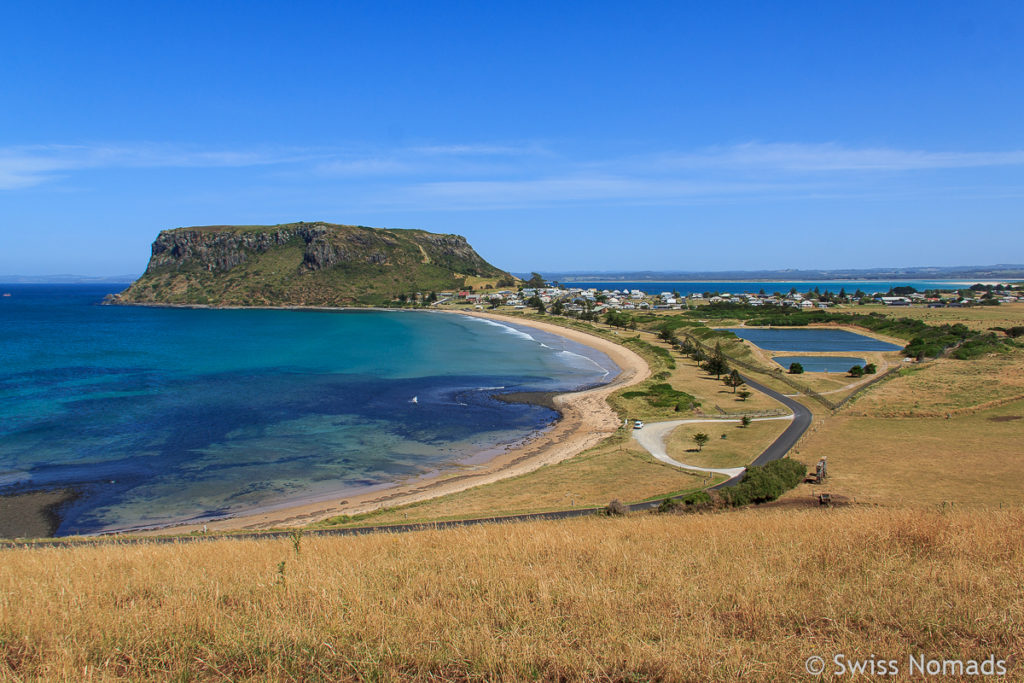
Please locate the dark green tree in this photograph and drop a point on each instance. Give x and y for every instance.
(700, 438)
(716, 365)
(734, 380)
(796, 369)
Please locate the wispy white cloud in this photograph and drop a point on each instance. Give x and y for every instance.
(830, 157)
(554, 190)
(26, 166)
(478, 176)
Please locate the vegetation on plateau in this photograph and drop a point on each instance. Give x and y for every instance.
(306, 264)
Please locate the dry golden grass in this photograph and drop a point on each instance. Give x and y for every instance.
(739, 448)
(725, 597)
(979, 318)
(618, 468)
(974, 459)
(946, 385)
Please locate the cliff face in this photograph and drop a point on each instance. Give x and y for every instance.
(303, 264)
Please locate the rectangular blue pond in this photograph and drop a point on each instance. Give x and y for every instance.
(811, 339)
(820, 363)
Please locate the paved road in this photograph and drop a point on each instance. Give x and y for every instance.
(801, 421)
(652, 437)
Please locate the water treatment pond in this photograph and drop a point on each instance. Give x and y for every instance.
(811, 339)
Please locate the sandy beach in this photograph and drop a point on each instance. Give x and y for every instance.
(586, 420)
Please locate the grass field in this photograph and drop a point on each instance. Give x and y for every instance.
(738, 449)
(745, 595)
(979, 318)
(974, 459)
(945, 385)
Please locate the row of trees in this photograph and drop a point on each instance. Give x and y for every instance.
(714, 363)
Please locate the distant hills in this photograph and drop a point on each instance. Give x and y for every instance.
(65, 279)
(305, 264)
(996, 272)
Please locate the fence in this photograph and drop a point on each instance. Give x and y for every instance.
(780, 375)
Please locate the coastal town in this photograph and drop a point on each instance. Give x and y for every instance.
(586, 301)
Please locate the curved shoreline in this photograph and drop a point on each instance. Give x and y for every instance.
(586, 419)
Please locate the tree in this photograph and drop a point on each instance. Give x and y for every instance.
(734, 380)
(856, 371)
(700, 438)
(870, 369)
(535, 302)
(558, 308)
(745, 422)
(716, 365)
(796, 369)
(744, 395)
(536, 280)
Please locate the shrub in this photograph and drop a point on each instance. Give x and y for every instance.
(697, 498)
(856, 371)
(870, 369)
(764, 484)
(615, 508)
(664, 396)
(796, 369)
(692, 501)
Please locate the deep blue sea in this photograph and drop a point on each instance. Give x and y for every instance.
(161, 415)
(732, 287)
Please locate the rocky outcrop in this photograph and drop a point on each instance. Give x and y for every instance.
(302, 263)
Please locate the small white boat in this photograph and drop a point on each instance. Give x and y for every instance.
(6, 294)
(415, 399)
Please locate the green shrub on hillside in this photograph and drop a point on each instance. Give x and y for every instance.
(765, 484)
(664, 396)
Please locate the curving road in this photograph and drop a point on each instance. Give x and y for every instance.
(652, 436)
(801, 421)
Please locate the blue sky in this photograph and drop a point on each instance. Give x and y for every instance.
(555, 136)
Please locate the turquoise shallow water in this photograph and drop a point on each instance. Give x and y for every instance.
(165, 415)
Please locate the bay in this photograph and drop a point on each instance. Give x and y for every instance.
(161, 415)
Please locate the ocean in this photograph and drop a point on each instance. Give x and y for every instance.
(735, 287)
(160, 415)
